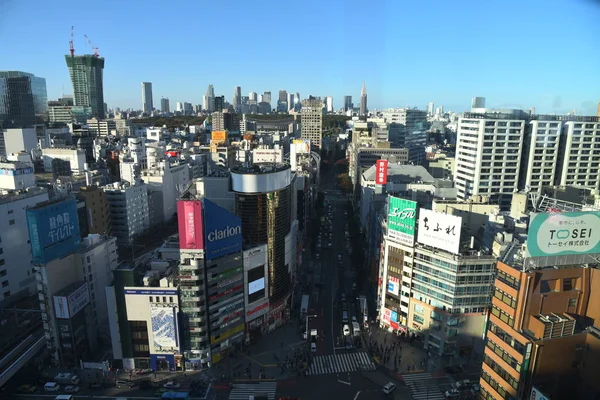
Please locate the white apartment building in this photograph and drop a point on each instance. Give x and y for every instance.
(97, 260)
(16, 175)
(541, 149)
(17, 275)
(157, 134)
(76, 158)
(102, 127)
(129, 213)
(488, 157)
(171, 180)
(581, 153)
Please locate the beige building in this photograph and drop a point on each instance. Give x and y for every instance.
(312, 121)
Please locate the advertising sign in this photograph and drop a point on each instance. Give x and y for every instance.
(393, 285)
(223, 231)
(394, 316)
(387, 313)
(218, 136)
(257, 311)
(255, 286)
(164, 330)
(79, 299)
(61, 307)
(53, 230)
(402, 218)
(189, 224)
(537, 395)
(567, 233)
(381, 169)
(438, 230)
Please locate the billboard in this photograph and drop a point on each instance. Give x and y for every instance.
(387, 315)
(53, 230)
(223, 231)
(164, 330)
(257, 311)
(567, 233)
(394, 316)
(267, 155)
(78, 299)
(439, 230)
(402, 217)
(301, 146)
(218, 136)
(393, 285)
(189, 222)
(381, 169)
(537, 395)
(61, 307)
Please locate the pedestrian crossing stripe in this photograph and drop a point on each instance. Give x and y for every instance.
(422, 386)
(348, 362)
(243, 391)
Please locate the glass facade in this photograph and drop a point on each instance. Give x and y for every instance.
(266, 218)
(87, 79)
(16, 102)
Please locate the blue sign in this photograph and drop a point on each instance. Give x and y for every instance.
(53, 230)
(394, 316)
(222, 230)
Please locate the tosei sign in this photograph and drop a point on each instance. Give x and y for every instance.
(402, 217)
(222, 230)
(567, 233)
(381, 170)
(439, 230)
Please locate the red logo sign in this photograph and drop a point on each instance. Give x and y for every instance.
(381, 169)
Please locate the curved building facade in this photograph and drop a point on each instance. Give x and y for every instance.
(263, 201)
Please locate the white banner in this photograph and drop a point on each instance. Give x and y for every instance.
(439, 230)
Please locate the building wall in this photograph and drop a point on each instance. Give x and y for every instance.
(98, 215)
(75, 157)
(17, 140)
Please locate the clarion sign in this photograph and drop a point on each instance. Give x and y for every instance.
(224, 233)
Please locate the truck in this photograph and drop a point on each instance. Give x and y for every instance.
(66, 379)
(355, 329)
(304, 305)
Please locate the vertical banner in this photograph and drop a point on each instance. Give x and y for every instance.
(381, 169)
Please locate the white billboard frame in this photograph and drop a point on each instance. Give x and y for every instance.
(439, 230)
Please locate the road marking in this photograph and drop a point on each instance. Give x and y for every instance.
(357, 394)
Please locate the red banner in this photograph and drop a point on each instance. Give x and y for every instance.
(394, 325)
(381, 169)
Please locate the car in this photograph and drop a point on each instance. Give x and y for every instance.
(461, 385)
(317, 256)
(388, 388)
(171, 385)
(72, 389)
(452, 394)
(340, 257)
(329, 244)
(26, 389)
(313, 347)
(124, 384)
(475, 389)
(346, 330)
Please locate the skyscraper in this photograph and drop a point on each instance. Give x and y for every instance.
(363, 100)
(20, 92)
(329, 104)
(87, 79)
(164, 105)
(312, 121)
(208, 101)
(147, 105)
(430, 108)
(218, 103)
(267, 97)
(290, 101)
(282, 103)
(297, 103)
(478, 102)
(237, 98)
(253, 96)
(348, 103)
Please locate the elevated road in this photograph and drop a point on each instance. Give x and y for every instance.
(15, 359)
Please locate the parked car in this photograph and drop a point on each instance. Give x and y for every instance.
(313, 347)
(346, 330)
(171, 385)
(452, 394)
(388, 388)
(72, 389)
(125, 384)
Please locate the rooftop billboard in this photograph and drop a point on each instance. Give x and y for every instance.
(53, 230)
(402, 217)
(189, 218)
(381, 170)
(565, 233)
(222, 231)
(439, 230)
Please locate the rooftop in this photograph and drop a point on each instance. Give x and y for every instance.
(262, 168)
(399, 173)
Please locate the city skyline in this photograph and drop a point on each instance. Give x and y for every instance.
(478, 57)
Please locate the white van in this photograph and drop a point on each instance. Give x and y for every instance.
(51, 387)
(64, 397)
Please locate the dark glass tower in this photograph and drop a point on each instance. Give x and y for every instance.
(22, 98)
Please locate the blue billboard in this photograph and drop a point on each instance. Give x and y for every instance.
(222, 230)
(53, 230)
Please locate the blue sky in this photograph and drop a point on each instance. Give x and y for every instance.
(536, 53)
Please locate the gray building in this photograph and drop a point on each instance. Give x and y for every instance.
(363, 100)
(22, 97)
(348, 103)
(478, 102)
(147, 104)
(88, 83)
(164, 105)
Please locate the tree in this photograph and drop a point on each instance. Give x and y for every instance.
(345, 183)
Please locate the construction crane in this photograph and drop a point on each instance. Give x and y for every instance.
(93, 47)
(71, 45)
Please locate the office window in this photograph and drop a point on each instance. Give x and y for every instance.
(567, 284)
(4, 283)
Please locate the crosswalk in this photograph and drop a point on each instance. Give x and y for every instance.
(332, 364)
(243, 391)
(423, 386)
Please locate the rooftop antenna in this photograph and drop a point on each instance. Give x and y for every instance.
(71, 45)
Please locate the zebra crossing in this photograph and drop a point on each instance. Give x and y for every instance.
(423, 386)
(331, 364)
(243, 391)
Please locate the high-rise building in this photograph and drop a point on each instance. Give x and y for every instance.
(237, 99)
(598, 113)
(253, 96)
(329, 104)
(147, 105)
(87, 79)
(179, 106)
(282, 102)
(290, 101)
(283, 95)
(297, 102)
(430, 108)
(478, 102)
(363, 100)
(312, 121)
(348, 106)
(15, 89)
(164, 105)
(267, 97)
(208, 101)
(219, 103)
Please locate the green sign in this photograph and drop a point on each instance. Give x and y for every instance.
(402, 217)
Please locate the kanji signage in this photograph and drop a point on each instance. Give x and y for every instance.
(402, 216)
(381, 169)
(565, 233)
(439, 230)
